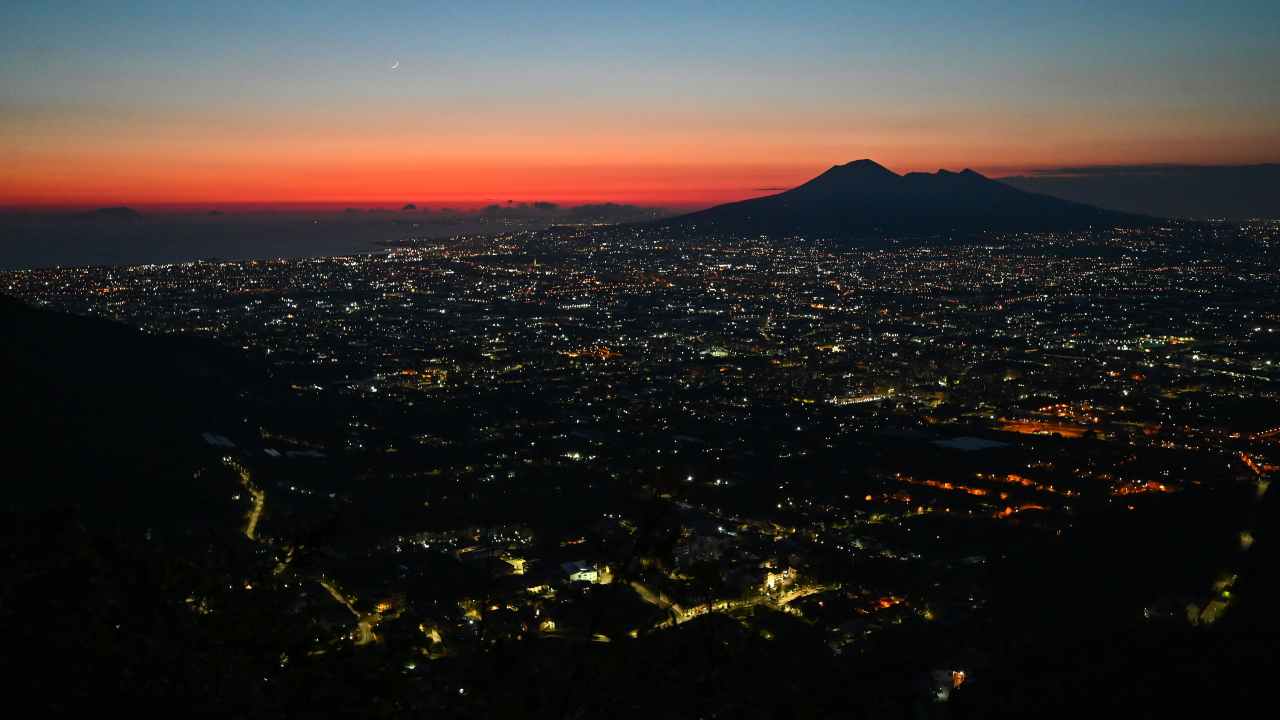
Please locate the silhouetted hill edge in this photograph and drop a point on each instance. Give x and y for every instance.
(864, 198)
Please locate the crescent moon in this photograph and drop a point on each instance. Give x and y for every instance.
(395, 65)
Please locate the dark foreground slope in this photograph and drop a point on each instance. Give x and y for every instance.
(863, 198)
(114, 512)
(102, 417)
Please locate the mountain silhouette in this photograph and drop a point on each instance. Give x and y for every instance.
(112, 213)
(863, 198)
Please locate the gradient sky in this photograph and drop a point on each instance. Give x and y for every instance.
(656, 102)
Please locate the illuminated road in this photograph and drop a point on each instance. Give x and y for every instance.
(1220, 597)
(364, 630)
(255, 514)
(801, 592)
(364, 624)
(259, 498)
(650, 596)
(681, 615)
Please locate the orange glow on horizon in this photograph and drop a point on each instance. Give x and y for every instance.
(389, 173)
(665, 157)
(386, 184)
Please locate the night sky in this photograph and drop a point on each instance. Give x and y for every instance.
(665, 103)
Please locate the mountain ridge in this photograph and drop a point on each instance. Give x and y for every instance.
(863, 197)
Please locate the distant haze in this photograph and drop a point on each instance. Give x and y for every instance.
(1177, 191)
(126, 236)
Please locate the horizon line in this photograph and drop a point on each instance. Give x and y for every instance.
(567, 200)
